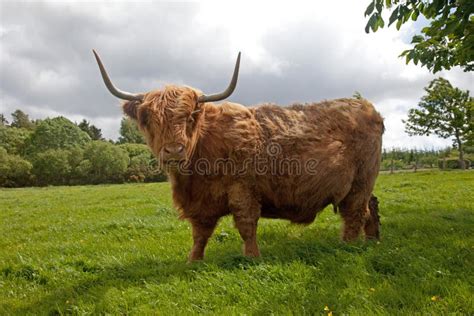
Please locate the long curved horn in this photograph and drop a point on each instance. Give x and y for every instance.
(228, 91)
(108, 83)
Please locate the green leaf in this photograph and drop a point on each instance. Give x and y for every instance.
(379, 6)
(416, 59)
(409, 56)
(393, 17)
(372, 23)
(375, 23)
(404, 53)
(425, 30)
(407, 15)
(380, 22)
(399, 24)
(450, 27)
(369, 9)
(417, 39)
(375, 27)
(421, 7)
(415, 14)
(367, 28)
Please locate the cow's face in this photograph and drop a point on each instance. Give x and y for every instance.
(169, 120)
(168, 117)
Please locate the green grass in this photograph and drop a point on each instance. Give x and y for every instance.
(120, 249)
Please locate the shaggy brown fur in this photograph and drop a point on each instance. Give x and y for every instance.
(371, 227)
(343, 136)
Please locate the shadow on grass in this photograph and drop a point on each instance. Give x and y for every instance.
(279, 249)
(95, 283)
(276, 246)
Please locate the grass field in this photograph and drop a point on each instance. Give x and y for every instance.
(120, 249)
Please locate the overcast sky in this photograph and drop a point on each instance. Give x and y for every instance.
(291, 52)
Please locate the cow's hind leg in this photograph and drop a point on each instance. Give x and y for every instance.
(202, 230)
(248, 231)
(371, 227)
(355, 213)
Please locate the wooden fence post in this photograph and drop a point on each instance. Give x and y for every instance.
(391, 165)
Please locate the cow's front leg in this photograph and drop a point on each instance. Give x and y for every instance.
(202, 230)
(246, 211)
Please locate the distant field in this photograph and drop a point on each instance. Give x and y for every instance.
(120, 249)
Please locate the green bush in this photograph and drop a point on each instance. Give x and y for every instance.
(56, 133)
(82, 172)
(397, 164)
(129, 132)
(452, 163)
(139, 168)
(106, 163)
(428, 161)
(156, 176)
(14, 171)
(134, 150)
(143, 166)
(13, 139)
(52, 167)
(76, 156)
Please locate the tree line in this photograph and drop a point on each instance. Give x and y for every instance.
(414, 159)
(57, 151)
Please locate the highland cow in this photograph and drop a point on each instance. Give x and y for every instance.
(264, 161)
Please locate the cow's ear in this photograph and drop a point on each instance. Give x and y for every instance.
(130, 108)
(144, 115)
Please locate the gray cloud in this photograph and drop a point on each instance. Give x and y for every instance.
(47, 67)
